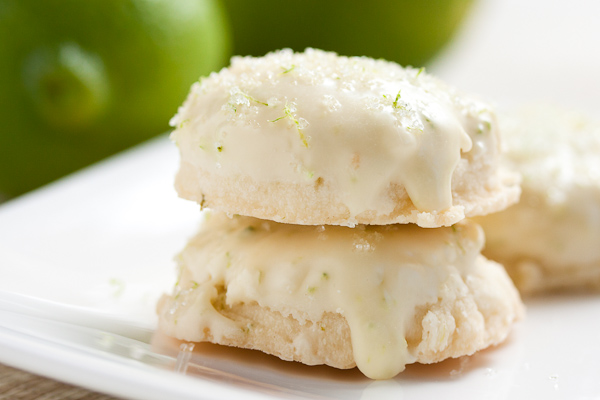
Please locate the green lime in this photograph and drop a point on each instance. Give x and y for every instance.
(82, 79)
(409, 32)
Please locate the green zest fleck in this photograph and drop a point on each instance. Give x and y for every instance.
(183, 123)
(429, 122)
(228, 256)
(457, 230)
(487, 126)
(277, 119)
(250, 98)
(195, 285)
(289, 114)
(395, 103)
(119, 286)
(325, 276)
(285, 71)
(384, 303)
(420, 71)
(219, 148)
(312, 289)
(412, 128)
(253, 99)
(180, 273)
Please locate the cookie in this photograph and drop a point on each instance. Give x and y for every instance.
(549, 240)
(376, 297)
(314, 138)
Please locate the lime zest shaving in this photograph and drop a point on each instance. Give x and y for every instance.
(246, 329)
(277, 119)
(289, 113)
(179, 275)
(484, 126)
(288, 70)
(246, 95)
(119, 286)
(428, 120)
(456, 230)
(412, 128)
(395, 103)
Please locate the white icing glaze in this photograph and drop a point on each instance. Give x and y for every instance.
(375, 276)
(361, 125)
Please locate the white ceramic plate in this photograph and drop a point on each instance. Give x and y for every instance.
(102, 241)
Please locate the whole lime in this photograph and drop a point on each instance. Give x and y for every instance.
(80, 80)
(409, 32)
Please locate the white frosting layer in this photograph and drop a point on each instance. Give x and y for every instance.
(376, 277)
(359, 126)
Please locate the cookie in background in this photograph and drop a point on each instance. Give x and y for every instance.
(549, 240)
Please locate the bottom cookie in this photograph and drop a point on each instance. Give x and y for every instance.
(376, 297)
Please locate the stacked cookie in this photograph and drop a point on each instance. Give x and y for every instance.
(339, 189)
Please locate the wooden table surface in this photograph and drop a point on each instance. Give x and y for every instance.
(20, 385)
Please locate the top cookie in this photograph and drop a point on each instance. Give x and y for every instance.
(314, 138)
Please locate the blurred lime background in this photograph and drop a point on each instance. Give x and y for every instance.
(409, 32)
(80, 80)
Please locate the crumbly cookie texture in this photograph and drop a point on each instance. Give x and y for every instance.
(376, 297)
(314, 138)
(549, 240)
